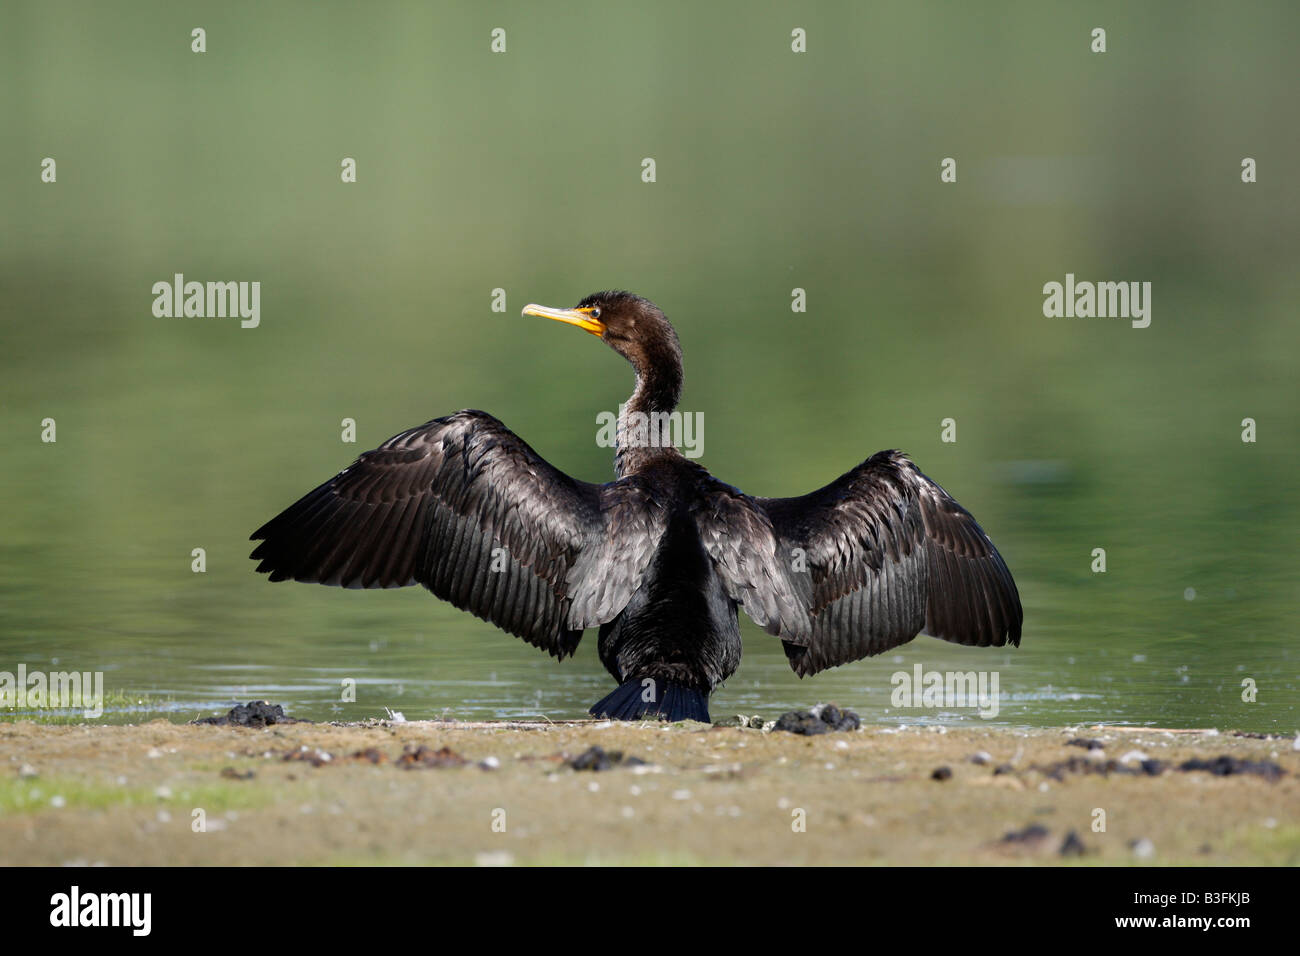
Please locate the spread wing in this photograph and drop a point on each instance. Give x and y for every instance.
(875, 557)
(464, 507)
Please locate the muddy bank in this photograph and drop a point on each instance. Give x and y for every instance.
(433, 792)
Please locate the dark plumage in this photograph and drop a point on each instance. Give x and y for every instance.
(658, 559)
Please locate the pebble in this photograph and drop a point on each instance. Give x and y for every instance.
(1143, 849)
(1031, 835)
(1072, 846)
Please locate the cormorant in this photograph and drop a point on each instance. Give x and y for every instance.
(660, 558)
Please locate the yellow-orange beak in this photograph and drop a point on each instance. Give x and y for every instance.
(582, 318)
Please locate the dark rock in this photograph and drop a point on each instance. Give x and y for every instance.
(1227, 765)
(820, 720)
(597, 758)
(1072, 846)
(1088, 743)
(256, 714)
(941, 773)
(1104, 768)
(844, 720)
(801, 722)
(1029, 836)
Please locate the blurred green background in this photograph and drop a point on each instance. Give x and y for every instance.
(775, 170)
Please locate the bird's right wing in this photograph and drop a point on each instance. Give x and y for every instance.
(465, 507)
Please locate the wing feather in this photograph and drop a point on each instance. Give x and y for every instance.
(886, 554)
(464, 507)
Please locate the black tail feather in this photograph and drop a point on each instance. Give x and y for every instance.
(641, 699)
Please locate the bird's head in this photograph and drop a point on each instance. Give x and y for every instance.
(633, 327)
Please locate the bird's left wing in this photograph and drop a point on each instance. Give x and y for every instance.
(465, 507)
(875, 557)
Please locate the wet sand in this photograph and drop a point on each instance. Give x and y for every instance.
(505, 794)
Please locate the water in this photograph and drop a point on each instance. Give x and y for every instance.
(774, 172)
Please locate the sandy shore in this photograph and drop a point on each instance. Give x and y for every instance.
(138, 794)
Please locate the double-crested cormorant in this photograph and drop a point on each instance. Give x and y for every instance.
(658, 559)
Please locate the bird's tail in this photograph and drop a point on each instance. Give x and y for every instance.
(648, 698)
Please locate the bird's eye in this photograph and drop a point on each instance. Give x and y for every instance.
(595, 313)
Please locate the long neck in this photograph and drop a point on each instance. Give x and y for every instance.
(644, 429)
